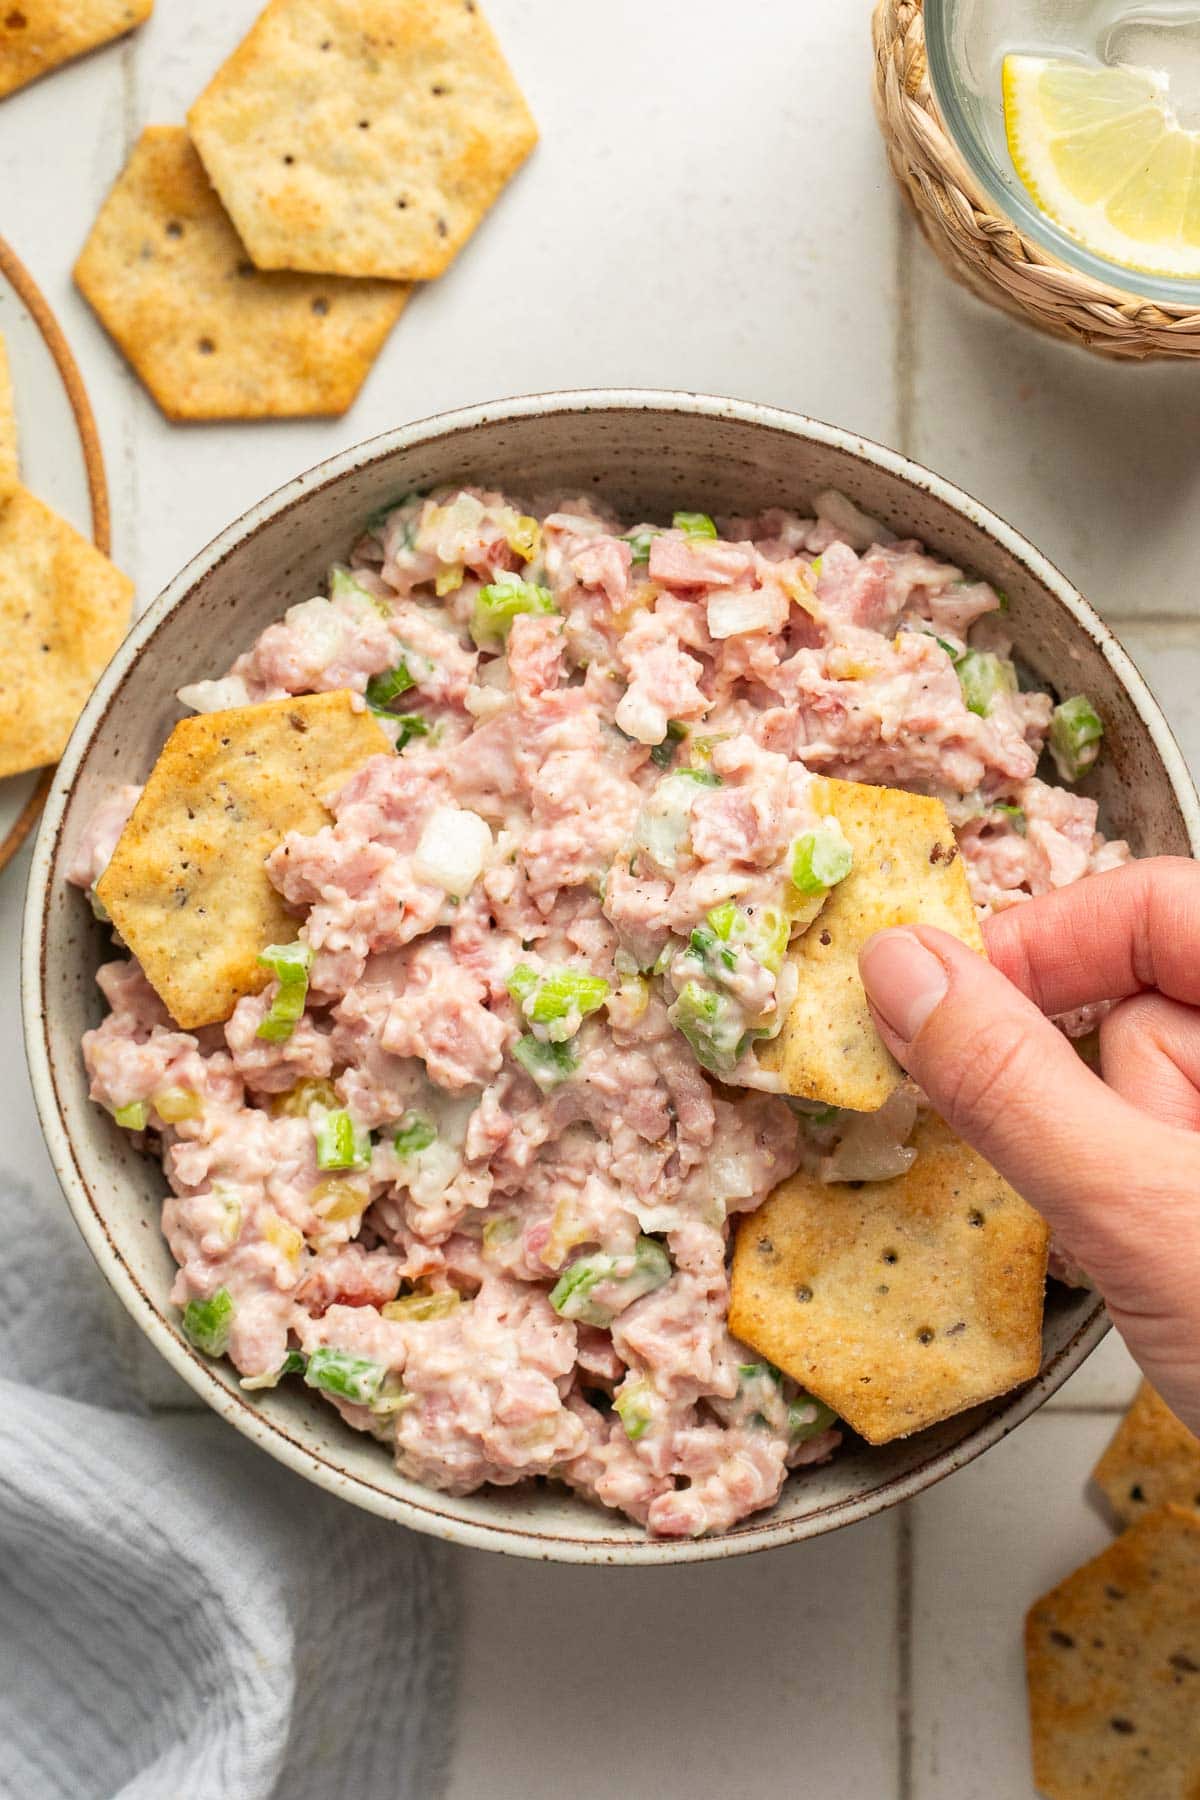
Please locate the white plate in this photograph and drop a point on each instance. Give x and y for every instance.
(60, 461)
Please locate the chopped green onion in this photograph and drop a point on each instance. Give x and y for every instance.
(503, 600)
(412, 725)
(134, 1117)
(983, 677)
(573, 1294)
(951, 652)
(820, 859)
(632, 1405)
(547, 1064)
(1014, 814)
(383, 689)
(723, 918)
(354, 1378)
(290, 965)
(709, 948)
(557, 994)
(1076, 731)
(663, 754)
(345, 585)
(340, 1143)
(808, 1417)
(702, 777)
(521, 981)
(294, 1363)
(694, 525)
(639, 542)
(712, 1025)
(414, 1133)
(206, 1323)
(379, 518)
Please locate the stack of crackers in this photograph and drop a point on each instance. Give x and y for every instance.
(1113, 1653)
(252, 265)
(64, 609)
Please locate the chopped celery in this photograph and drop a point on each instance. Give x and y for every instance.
(712, 1025)
(290, 964)
(1014, 814)
(547, 1064)
(808, 1417)
(639, 542)
(633, 1405)
(663, 754)
(383, 689)
(498, 604)
(345, 585)
(412, 725)
(556, 994)
(206, 1323)
(354, 1378)
(983, 677)
(573, 1295)
(340, 1142)
(694, 524)
(1076, 731)
(414, 1133)
(820, 859)
(418, 1308)
(134, 1117)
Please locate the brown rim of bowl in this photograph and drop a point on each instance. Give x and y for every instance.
(321, 1466)
(32, 298)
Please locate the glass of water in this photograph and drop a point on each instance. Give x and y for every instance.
(966, 43)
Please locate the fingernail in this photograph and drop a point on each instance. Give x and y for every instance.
(904, 980)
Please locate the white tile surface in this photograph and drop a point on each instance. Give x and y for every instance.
(754, 1678)
(708, 208)
(985, 1545)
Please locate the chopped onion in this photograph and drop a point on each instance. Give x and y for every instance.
(874, 1146)
(859, 529)
(453, 848)
(215, 696)
(760, 609)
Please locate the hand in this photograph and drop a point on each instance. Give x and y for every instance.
(1112, 1164)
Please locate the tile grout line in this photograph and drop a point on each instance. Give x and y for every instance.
(904, 1652)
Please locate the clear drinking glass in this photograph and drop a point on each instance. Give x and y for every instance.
(967, 41)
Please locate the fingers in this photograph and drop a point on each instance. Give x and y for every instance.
(1150, 1053)
(1011, 1084)
(1104, 938)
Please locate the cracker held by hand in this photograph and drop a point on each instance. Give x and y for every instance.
(897, 1303)
(9, 468)
(38, 35)
(187, 886)
(209, 334)
(907, 871)
(64, 609)
(1153, 1459)
(362, 137)
(1112, 1658)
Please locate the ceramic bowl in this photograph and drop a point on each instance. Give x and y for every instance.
(647, 453)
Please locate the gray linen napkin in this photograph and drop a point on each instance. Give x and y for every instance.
(180, 1617)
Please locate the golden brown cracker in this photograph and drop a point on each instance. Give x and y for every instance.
(362, 137)
(187, 886)
(1112, 1658)
(906, 871)
(9, 464)
(64, 608)
(1152, 1459)
(38, 35)
(209, 334)
(896, 1302)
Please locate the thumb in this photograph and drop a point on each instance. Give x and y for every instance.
(1114, 1184)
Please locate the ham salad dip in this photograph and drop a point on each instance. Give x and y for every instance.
(467, 1165)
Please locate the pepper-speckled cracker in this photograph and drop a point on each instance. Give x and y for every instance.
(209, 334)
(9, 464)
(64, 608)
(897, 1302)
(1112, 1659)
(362, 137)
(1152, 1459)
(907, 871)
(38, 35)
(187, 886)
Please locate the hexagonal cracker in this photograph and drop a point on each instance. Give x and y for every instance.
(898, 1303)
(37, 36)
(209, 334)
(362, 137)
(1153, 1458)
(1112, 1660)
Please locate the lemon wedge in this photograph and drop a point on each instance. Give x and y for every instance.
(1103, 155)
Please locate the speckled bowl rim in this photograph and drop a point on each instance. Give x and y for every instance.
(283, 1444)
